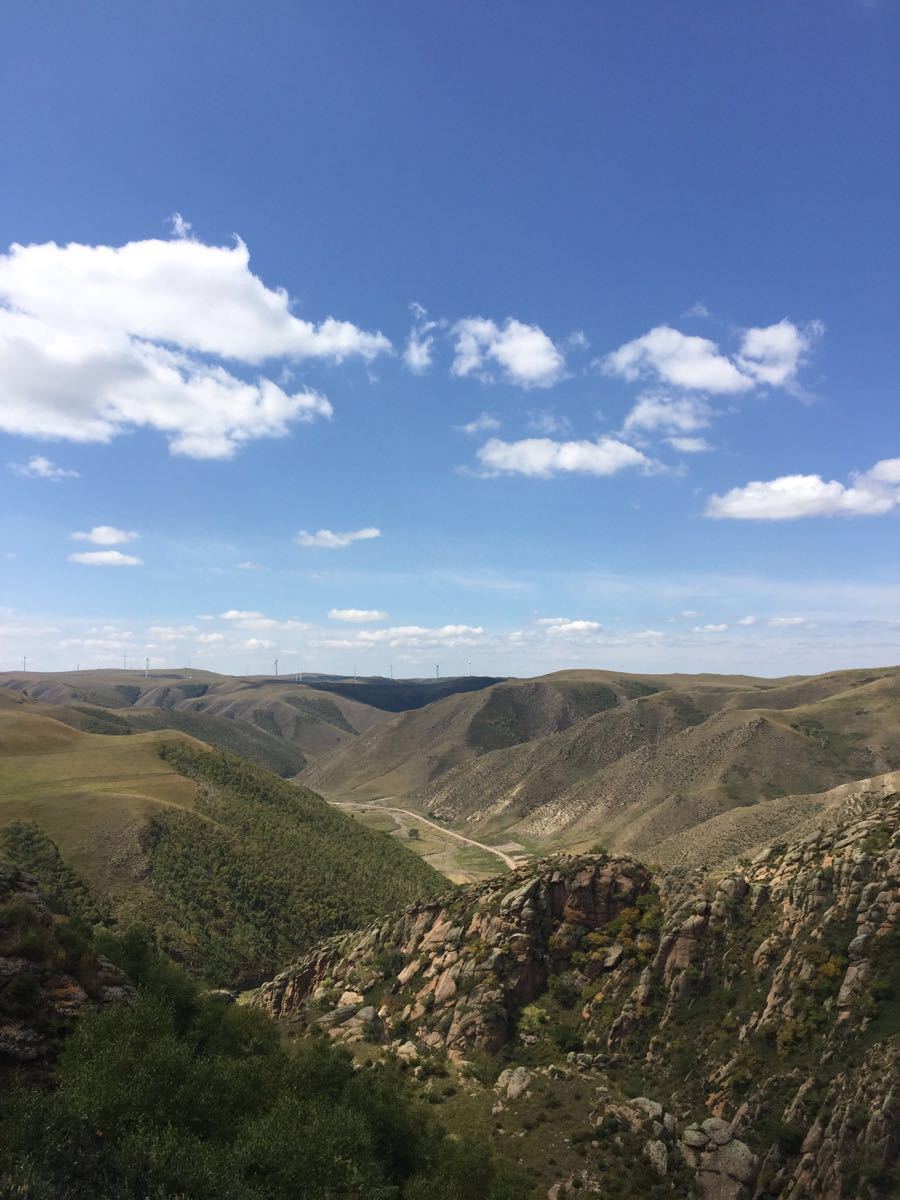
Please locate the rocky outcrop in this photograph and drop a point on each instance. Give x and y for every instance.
(458, 972)
(760, 1007)
(48, 975)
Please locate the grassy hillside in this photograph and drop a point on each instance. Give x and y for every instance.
(233, 867)
(404, 754)
(662, 765)
(633, 761)
(260, 711)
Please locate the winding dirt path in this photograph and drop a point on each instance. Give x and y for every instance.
(406, 812)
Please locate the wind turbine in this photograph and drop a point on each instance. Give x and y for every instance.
(276, 668)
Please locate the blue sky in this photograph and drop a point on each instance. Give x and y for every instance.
(589, 310)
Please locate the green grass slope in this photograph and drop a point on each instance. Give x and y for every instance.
(232, 867)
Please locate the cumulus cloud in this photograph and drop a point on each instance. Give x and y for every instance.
(543, 457)
(566, 628)
(106, 535)
(747, 621)
(710, 628)
(679, 359)
(869, 493)
(357, 615)
(787, 622)
(105, 558)
(483, 423)
(421, 637)
(769, 355)
(39, 467)
(672, 414)
(524, 353)
(326, 539)
(97, 340)
(772, 355)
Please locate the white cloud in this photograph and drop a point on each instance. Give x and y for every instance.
(249, 565)
(870, 493)
(698, 309)
(357, 615)
(542, 457)
(747, 621)
(257, 621)
(257, 644)
(179, 226)
(106, 535)
(105, 558)
(649, 635)
(566, 628)
(483, 423)
(787, 622)
(421, 637)
(689, 613)
(326, 539)
(209, 639)
(39, 467)
(172, 633)
(417, 354)
(770, 355)
(674, 414)
(689, 445)
(710, 628)
(97, 340)
(678, 359)
(546, 421)
(525, 354)
(773, 355)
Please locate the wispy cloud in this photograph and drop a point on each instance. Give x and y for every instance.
(358, 616)
(105, 558)
(327, 539)
(39, 467)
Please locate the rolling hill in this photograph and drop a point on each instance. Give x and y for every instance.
(634, 761)
(230, 865)
(280, 723)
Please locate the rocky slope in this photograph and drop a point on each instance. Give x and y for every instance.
(48, 975)
(737, 1036)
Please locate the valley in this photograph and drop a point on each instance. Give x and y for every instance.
(634, 936)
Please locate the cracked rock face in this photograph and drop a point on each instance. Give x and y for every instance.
(759, 1005)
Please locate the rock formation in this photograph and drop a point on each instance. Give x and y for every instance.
(758, 1008)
